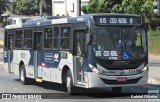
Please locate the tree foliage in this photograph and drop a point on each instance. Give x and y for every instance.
(26, 7)
(141, 7)
(100, 6)
(4, 6)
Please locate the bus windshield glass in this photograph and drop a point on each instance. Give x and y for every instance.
(119, 44)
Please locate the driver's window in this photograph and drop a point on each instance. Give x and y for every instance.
(138, 38)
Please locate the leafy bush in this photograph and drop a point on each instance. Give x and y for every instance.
(154, 41)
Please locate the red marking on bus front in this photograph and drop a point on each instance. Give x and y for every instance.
(43, 64)
(122, 79)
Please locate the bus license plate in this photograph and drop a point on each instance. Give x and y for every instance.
(122, 79)
(134, 71)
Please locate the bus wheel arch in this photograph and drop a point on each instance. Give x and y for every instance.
(20, 64)
(67, 79)
(22, 73)
(64, 73)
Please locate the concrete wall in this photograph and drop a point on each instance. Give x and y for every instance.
(66, 7)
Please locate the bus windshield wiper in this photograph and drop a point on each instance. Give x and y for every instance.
(130, 34)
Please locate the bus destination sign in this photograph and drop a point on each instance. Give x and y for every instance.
(119, 20)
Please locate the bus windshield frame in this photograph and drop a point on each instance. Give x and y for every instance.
(115, 43)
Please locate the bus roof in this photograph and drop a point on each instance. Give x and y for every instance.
(50, 20)
(41, 21)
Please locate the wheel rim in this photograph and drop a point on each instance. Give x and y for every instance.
(68, 83)
(22, 75)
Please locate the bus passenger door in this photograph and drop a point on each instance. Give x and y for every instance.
(10, 53)
(79, 47)
(37, 49)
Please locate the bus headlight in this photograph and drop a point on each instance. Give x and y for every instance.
(145, 68)
(94, 69)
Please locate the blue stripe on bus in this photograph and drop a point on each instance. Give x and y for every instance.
(5, 55)
(51, 58)
(31, 61)
(11, 56)
(88, 60)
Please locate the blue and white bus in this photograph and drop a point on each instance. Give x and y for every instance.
(89, 51)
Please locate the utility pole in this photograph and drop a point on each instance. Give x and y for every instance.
(78, 8)
(66, 8)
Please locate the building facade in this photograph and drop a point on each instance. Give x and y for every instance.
(66, 7)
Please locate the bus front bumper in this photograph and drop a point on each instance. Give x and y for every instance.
(101, 81)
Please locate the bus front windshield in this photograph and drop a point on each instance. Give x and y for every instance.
(119, 44)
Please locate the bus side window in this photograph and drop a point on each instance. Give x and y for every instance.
(5, 39)
(65, 37)
(56, 38)
(19, 39)
(48, 38)
(27, 39)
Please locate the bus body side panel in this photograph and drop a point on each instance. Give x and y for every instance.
(30, 65)
(8, 61)
(52, 63)
(25, 57)
(16, 61)
(46, 63)
(65, 61)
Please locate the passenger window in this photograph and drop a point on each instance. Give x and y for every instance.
(27, 39)
(19, 39)
(48, 38)
(65, 37)
(6, 39)
(56, 38)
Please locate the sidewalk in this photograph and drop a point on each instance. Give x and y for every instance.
(154, 69)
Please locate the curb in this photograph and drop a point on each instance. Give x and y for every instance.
(153, 81)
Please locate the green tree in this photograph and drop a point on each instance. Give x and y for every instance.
(24, 7)
(100, 6)
(41, 4)
(3, 6)
(140, 7)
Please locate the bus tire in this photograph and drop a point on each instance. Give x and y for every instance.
(69, 83)
(116, 89)
(22, 75)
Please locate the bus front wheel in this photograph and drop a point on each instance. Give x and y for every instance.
(117, 89)
(22, 75)
(69, 82)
